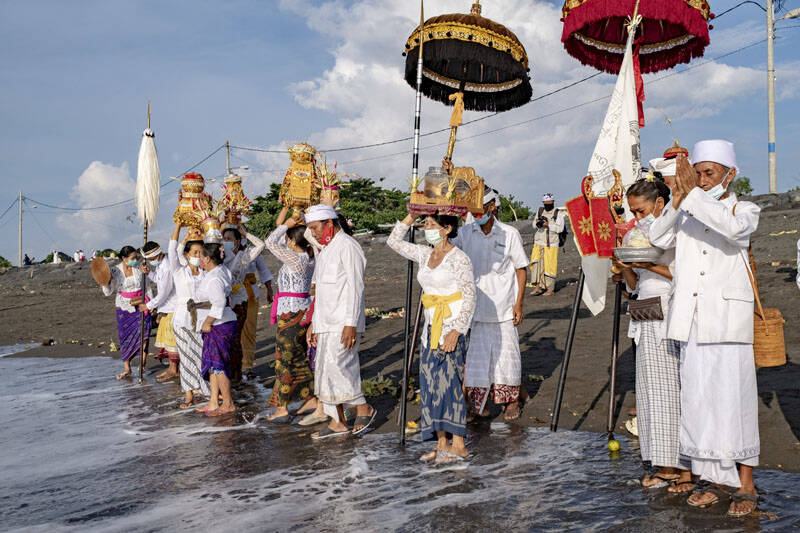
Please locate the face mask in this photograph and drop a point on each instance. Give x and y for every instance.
(228, 247)
(649, 219)
(132, 263)
(327, 235)
(155, 262)
(717, 191)
(194, 261)
(549, 207)
(310, 238)
(483, 220)
(433, 237)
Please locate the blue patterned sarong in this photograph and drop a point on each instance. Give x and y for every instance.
(441, 380)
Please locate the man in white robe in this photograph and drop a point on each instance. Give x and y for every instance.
(499, 262)
(711, 314)
(337, 323)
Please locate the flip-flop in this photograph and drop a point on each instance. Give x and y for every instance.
(326, 432)
(717, 492)
(680, 484)
(663, 481)
(739, 497)
(447, 458)
(312, 420)
(285, 419)
(304, 412)
(364, 421)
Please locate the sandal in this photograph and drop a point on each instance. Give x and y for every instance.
(715, 490)
(313, 419)
(364, 421)
(674, 487)
(285, 419)
(513, 413)
(662, 481)
(740, 497)
(447, 457)
(326, 432)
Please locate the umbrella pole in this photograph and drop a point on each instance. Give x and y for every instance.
(562, 378)
(414, 186)
(141, 331)
(614, 356)
(408, 360)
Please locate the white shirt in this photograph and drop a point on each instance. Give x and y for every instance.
(238, 264)
(339, 279)
(295, 274)
(710, 275)
(452, 275)
(122, 283)
(495, 258)
(186, 285)
(164, 301)
(215, 288)
(555, 225)
(652, 285)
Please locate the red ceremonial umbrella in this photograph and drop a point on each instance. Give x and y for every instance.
(671, 32)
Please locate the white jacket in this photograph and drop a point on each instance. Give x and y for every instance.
(710, 276)
(339, 280)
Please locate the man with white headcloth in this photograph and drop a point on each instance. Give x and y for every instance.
(711, 314)
(493, 362)
(337, 323)
(548, 225)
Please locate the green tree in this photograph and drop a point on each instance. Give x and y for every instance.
(4, 263)
(512, 209)
(741, 186)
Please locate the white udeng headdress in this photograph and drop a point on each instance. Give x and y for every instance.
(716, 151)
(667, 167)
(319, 212)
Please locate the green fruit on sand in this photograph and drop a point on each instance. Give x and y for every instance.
(613, 445)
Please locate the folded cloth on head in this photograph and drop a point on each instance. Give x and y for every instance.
(667, 167)
(490, 195)
(319, 212)
(716, 151)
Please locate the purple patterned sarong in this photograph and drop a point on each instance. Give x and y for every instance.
(130, 333)
(217, 348)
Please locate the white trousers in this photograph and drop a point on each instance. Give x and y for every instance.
(337, 373)
(719, 409)
(493, 355)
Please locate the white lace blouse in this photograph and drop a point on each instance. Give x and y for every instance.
(295, 274)
(238, 264)
(128, 284)
(454, 274)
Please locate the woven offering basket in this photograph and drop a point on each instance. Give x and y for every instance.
(769, 346)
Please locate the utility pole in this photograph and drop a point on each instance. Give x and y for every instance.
(773, 175)
(228, 157)
(19, 238)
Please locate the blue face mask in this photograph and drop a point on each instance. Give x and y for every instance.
(483, 219)
(228, 247)
(132, 263)
(433, 237)
(194, 261)
(717, 191)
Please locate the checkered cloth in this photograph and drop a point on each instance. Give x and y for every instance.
(658, 397)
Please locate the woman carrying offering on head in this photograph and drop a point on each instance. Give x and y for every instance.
(658, 394)
(448, 285)
(184, 261)
(126, 280)
(217, 323)
(294, 378)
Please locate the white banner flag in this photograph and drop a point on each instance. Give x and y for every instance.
(617, 148)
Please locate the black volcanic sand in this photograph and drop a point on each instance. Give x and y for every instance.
(62, 303)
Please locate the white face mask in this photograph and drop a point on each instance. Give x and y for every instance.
(433, 237)
(154, 262)
(194, 261)
(649, 219)
(228, 247)
(717, 191)
(310, 238)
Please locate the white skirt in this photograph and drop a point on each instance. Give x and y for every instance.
(493, 355)
(337, 373)
(719, 408)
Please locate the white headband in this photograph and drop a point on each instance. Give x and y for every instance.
(152, 254)
(490, 195)
(319, 212)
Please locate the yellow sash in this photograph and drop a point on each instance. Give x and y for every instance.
(249, 281)
(441, 305)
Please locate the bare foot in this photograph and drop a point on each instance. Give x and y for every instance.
(221, 411)
(684, 484)
(124, 375)
(548, 293)
(512, 411)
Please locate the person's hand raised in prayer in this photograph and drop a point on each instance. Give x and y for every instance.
(348, 337)
(450, 341)
(686, 179)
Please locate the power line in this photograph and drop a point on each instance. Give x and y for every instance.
(115, 204)
(9, 208)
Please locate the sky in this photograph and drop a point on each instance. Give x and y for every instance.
(76, 78)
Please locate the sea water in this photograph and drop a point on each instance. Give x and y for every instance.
(84, 452)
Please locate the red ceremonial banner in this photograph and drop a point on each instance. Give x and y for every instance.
(580, 218)
(603, 226)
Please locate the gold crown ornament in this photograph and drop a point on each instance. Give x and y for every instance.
(456, 193)
(193, 203)
(300, 187)
(211, 230)
(234, 204)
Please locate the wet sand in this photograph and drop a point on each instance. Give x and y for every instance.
(62, 303)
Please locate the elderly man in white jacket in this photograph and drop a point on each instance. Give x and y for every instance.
(711, 314)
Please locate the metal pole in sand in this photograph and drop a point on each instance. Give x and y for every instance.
(614, 356)
(415, 182)
(144, 316)
(573, 321)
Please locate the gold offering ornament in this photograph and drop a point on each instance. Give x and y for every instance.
(456, 193)
(234, 204)
(194, 204)
(301, 187)
(328, 181)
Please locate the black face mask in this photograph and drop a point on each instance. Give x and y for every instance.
(549, 207)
